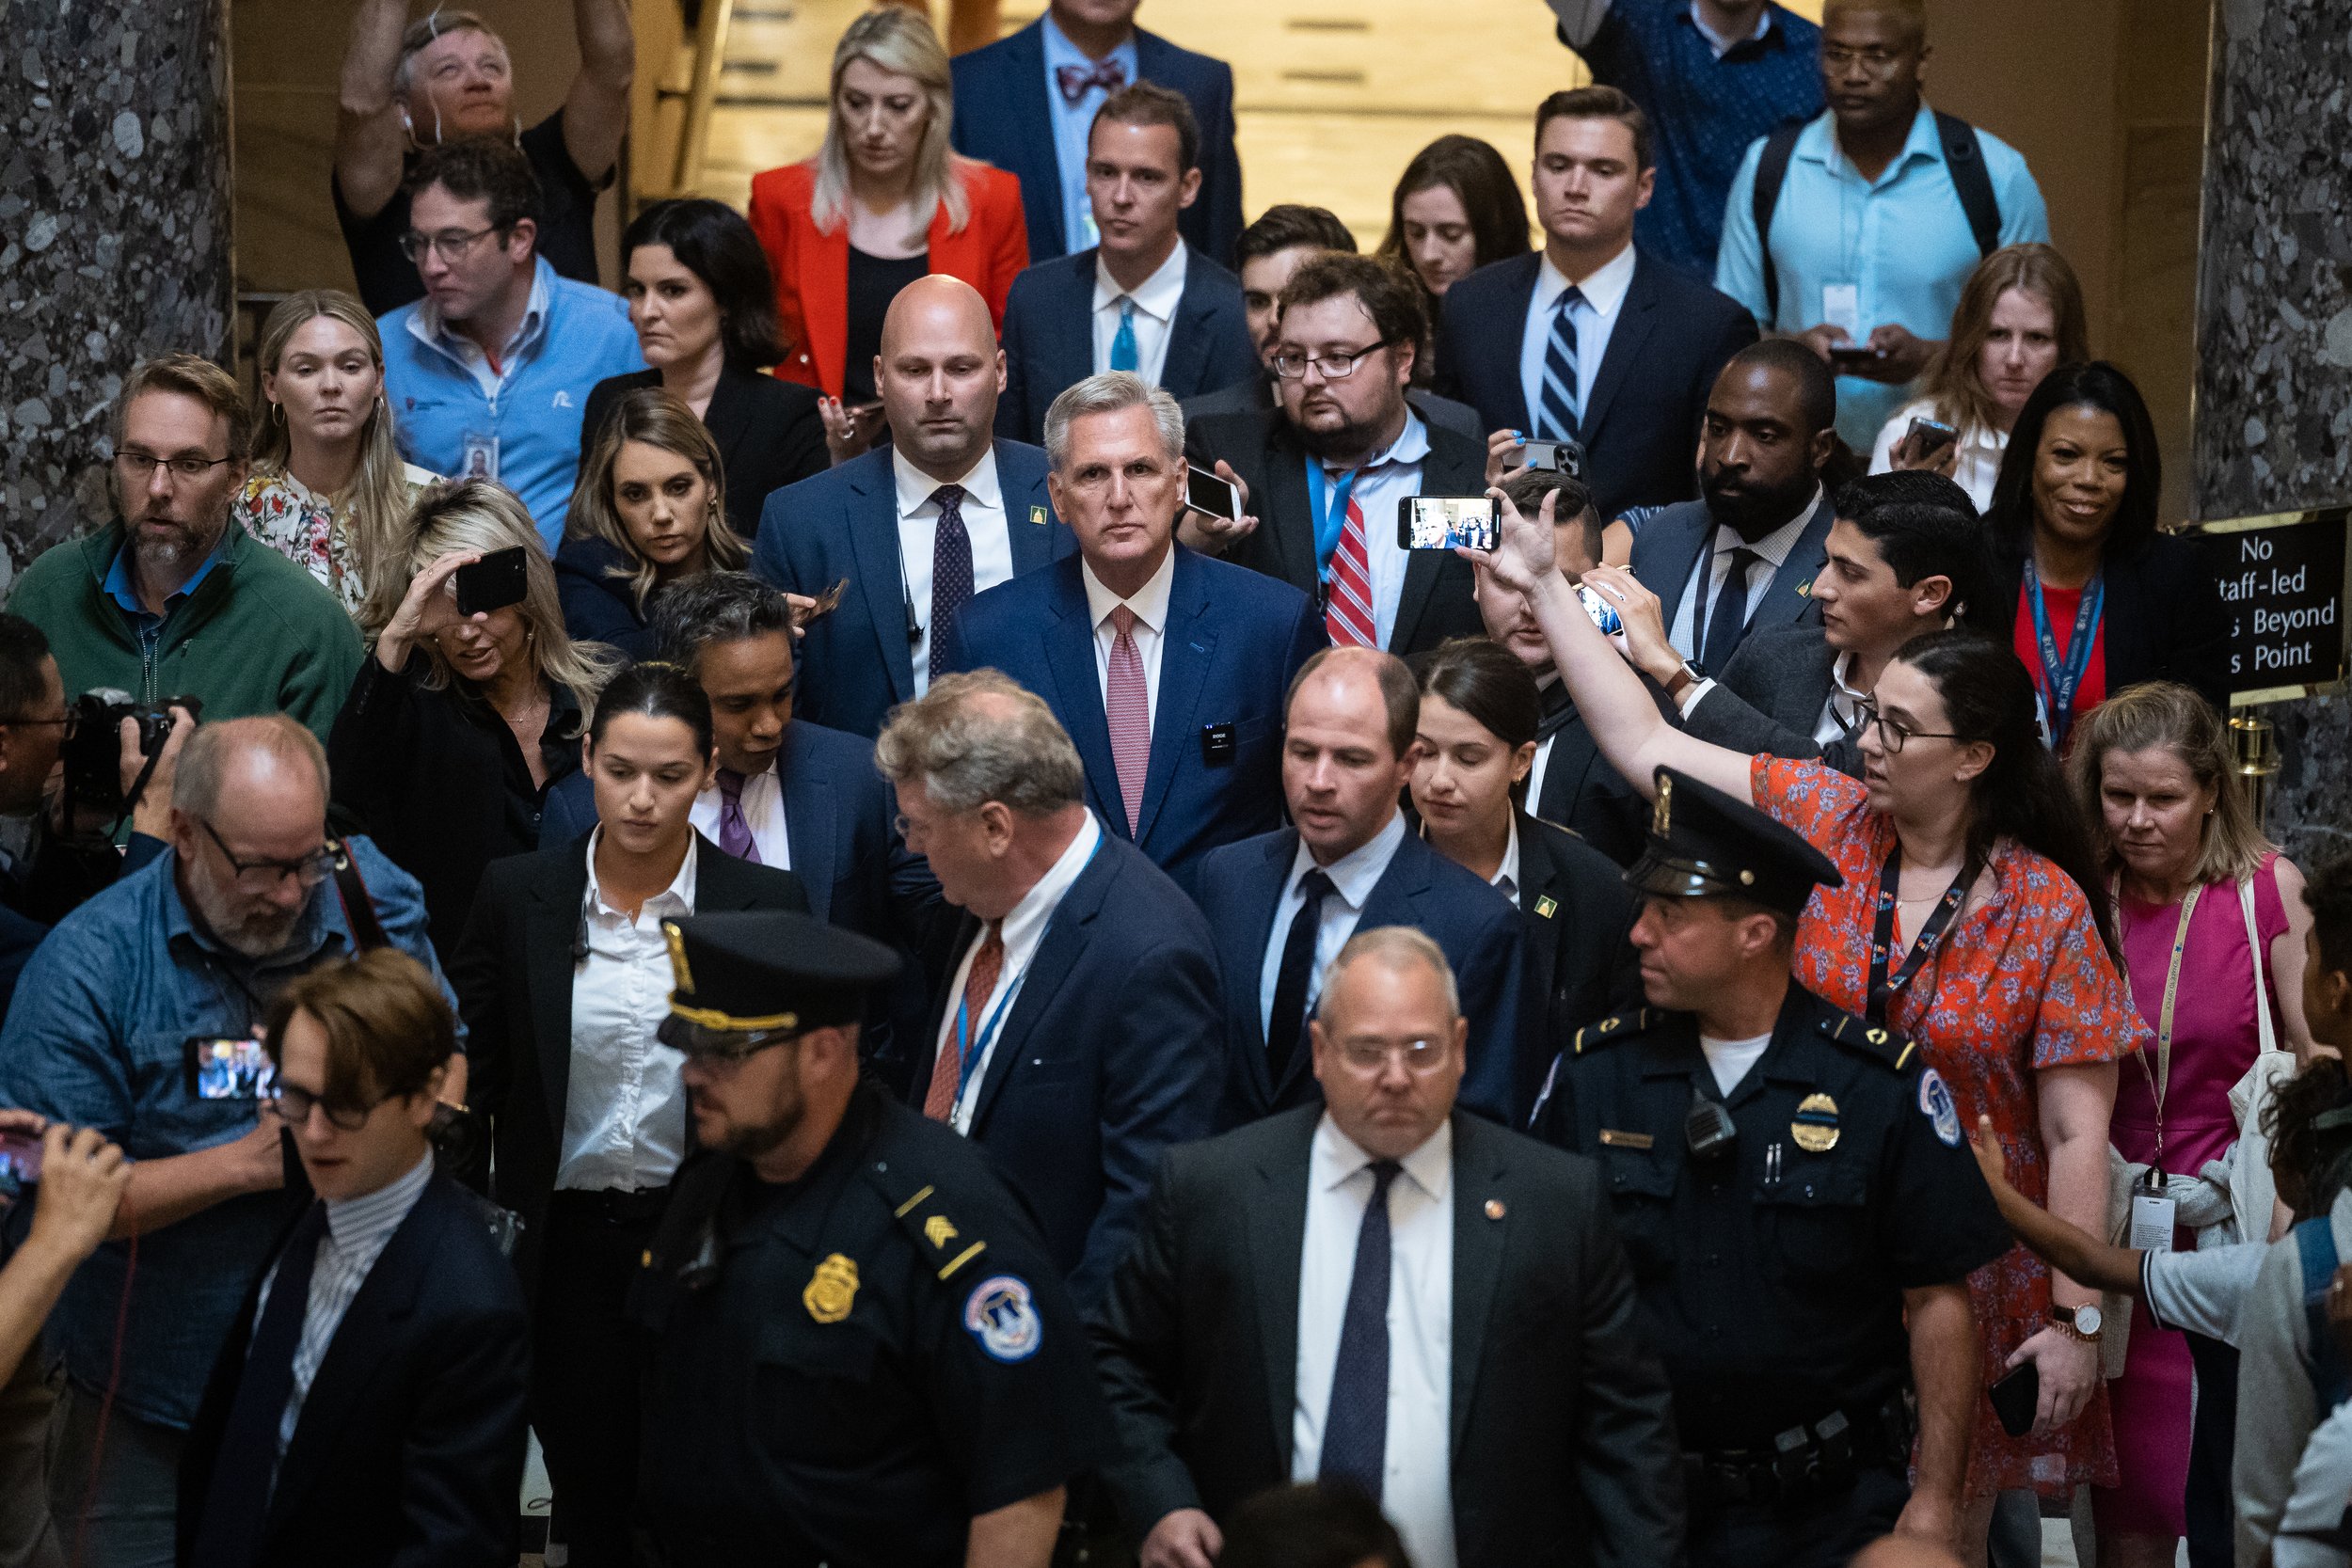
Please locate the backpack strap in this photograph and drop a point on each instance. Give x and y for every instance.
(1963, 156)
(367, 931)
(1771, 172)
(2315, 1248)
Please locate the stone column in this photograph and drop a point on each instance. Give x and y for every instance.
(114, 234)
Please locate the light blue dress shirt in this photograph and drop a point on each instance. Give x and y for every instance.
(1595, 323)
(1901, 240)
(1071, 124)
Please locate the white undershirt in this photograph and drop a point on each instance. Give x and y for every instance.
(1729, 1060)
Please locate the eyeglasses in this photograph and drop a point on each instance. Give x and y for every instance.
(451, 244)
(1879, 60)
(1336, 365)
(294, 1106)
(1893, 735)
(263, 876)
(1421, 1057)
(140, 466)
(70, 723)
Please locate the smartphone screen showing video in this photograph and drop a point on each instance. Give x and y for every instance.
(20, 1164)
(230, 1070)
(1443, 522)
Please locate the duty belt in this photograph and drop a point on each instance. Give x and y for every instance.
(1810, 1460)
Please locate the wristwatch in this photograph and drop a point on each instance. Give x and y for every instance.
(1684, 678)
(2079, 1323)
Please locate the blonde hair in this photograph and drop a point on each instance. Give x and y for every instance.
(658, 419)
(483, 515)
(1955, 378)
(899, 40)
(378, 494)
(2168, 714)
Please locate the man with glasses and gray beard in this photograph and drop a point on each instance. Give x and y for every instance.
(169, 972)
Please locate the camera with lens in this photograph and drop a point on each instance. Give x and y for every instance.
(92, 754)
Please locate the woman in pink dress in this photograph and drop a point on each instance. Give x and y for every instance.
(2176, 842)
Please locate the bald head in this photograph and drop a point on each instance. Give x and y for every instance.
(1347, 746)
(939, 372)
(226, 763)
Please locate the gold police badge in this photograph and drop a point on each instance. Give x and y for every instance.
(831, 1289)
(1816, 1127)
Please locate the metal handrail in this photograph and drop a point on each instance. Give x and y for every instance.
(711, 47)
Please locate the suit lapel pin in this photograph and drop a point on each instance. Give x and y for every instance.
(1804, 589)
(1494, 1209)
(1546, 907)
(1037, 516)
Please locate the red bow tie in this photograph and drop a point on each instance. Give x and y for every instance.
(1075, 79)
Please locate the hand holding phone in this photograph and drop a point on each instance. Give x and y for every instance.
(498, 579)
(1448, 522)
(1211, 494)
(2015, 1396)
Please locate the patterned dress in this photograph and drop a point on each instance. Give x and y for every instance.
(2021, 983)
(307, 529)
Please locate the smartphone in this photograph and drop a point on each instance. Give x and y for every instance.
(1211, 496)
(230, 1070)
(498, 579)
(1441, 522)
(1559, 457)
(1848, 357)
(2015, 1396)
(20, 1163)
(1928, 438)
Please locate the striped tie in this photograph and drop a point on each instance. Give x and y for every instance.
(1562, 406)
(1348, 617)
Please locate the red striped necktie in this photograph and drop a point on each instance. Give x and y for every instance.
(1347, 615)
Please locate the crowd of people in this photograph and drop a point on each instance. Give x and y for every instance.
(863, 886)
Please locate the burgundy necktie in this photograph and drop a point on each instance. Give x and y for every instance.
(1074, 80)
(1127, 703)
(735, 834)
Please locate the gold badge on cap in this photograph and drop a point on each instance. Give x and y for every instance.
(831, 1289)
(678, 968)
(1662, 811)
(1816, 1127)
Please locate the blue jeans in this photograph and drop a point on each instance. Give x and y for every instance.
(129, 1519)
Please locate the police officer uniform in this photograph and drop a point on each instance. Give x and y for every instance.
(845, 1369)
(1773, 1230)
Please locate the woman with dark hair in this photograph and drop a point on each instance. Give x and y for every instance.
(1456, 208)
(1963, 922)
(563, 976)
(704, 305)
(2099, 599)
(1479, 712)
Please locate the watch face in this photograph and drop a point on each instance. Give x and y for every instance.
(2087, 1321)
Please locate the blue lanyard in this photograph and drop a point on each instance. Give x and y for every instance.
(970, 1047)
(2060, 680)
(1330, 512)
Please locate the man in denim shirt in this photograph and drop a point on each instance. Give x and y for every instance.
(191, 947)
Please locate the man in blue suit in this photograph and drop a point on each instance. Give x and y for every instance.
(1025, 103)
(1591, 339)
(1283, 904)
(1140, 300)
(909, 532)
(1077, 1034)
(1167, 668)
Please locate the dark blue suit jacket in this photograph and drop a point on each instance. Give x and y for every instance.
(1049, 339)
(1002, 117)
(1234, 640)
(1673, 335)
(856, 664)
(1114, 1051)
(1478, 928)
(1667, 549)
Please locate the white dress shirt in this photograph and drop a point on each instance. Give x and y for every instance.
(1024, 929)
(1417, 1470)
(624, 1110)
(1707, 573)
(1150, 605)
(1384, 478)
(1840, 718)
(1506, 878)
(1595, 320)
(918, 523)
(1156, 299)
(1353, 875)
(763, 813)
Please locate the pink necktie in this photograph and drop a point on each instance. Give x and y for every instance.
(735, 833)
(1347, 616)
(1127, 703)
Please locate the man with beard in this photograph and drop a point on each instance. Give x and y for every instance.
(1329, 466)
(841, 1288)
(175, 599)
(111, 1016)
(1744, 557)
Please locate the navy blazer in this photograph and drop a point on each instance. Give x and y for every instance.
(1232, 641)
(1476, 927)
(597, 606)
(1666, 553)
(1002, 117)
(1049, 339)
(410, 1447)
(1113, 1052)
(1673, 337)
(857, 663)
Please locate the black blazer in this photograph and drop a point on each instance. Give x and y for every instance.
(1666, 556)
(409, 1448)
(1436, 602)
(1583, 793)
(599, 607)
(1563, 1451)
(1577, 912)
(512, 975)
(1769, 698)
(1673, 337)
(2163, 619)
(767, 431)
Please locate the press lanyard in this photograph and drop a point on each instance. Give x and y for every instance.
(970, 1047)
(1330, 512)
(2160, 1076)
(1930, 936)
(2061, 679)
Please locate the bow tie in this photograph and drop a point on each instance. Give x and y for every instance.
(1074, 80)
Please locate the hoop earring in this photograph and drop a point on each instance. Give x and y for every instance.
(278, 412)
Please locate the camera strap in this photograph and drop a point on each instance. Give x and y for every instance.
(139, 788)
(367, 932)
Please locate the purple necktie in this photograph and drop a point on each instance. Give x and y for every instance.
(735, 834)
(1074, 80)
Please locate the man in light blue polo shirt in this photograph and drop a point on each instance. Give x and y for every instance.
(1869, 243)
(489, 373)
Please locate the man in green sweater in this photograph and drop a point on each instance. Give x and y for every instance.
(175, 599)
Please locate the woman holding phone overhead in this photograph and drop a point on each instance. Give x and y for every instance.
(1962, 922)
(470, 706)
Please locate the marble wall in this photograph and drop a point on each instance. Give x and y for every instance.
(114, 233)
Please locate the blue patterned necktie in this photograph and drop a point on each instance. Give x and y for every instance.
(951, 561)
(1562, 407)
(1356, 1422)
(1123, 354)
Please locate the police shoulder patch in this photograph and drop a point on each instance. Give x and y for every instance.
(1876, 1040)
(1001, 1314)
(1937, 1105)
(1622, 1026)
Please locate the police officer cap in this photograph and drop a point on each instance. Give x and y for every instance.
(1703, 843)
(747, 979)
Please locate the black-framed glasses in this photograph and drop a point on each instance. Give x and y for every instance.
(451, 244)
(294, 1106)
(1337, 365)
(141, 466)
(263, 876)
(1366, 1054)
(1893, 733)
(69, 721)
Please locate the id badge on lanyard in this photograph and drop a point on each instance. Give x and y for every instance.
(2061, 678)
(2152, 1210)
(1329, 501)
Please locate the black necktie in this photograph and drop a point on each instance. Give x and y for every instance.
(1356, 1422)
(237, 1498)
(951, 561)
(1558, 710)
(1289, 1018)
(1728, 620)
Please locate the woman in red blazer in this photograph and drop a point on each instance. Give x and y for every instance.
(883, 202)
